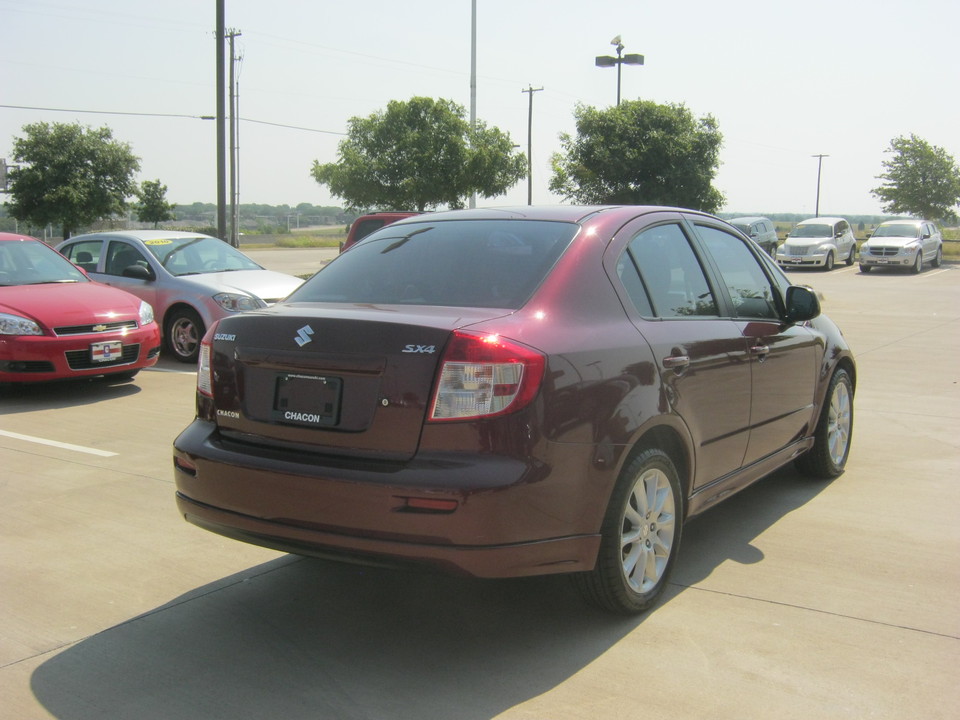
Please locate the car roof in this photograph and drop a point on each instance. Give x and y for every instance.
(903, 221)
(14, 237)
(749, 219)
(561, 213)
(142, 234)
(822, 220)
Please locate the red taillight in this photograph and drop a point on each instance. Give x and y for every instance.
(483, 375)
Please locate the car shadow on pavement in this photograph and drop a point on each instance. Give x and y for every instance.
(304, 638)
(67, 393)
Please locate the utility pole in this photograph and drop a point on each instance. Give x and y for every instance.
(473, 81)
(819, 168)
(530, 89)
(234, 237)
(221, 126)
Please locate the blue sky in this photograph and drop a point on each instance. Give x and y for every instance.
(785, 81)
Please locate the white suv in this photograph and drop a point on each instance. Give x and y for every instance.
(902, 243)
(818, 242)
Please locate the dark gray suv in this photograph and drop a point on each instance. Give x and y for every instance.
(759, 229)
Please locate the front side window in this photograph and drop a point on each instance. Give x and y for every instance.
(120, 256)
(747, 284)
(671, 273)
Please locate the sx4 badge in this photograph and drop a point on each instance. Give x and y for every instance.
(429, 349)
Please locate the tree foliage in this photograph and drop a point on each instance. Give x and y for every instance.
(640, 153)
(153, 206)
(420, 155)
(70, 175)
(920, 179)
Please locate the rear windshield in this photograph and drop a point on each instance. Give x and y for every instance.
(461, 263)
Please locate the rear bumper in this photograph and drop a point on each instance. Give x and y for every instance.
(479, 514)
(559, 555)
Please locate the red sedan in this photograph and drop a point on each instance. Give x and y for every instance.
(58, 324)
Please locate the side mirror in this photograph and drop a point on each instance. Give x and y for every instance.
(138, 272)
(802, 303)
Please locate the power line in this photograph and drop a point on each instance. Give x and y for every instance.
(169, 115)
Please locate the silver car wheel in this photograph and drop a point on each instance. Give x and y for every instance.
(184, 334)
(839, 423)
(649, 527)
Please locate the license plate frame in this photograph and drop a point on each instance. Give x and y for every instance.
(106, 351)
(307, 400)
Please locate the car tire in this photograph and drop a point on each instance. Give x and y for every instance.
(865, 268)
(184, 331)
(828, 264)
(917, 263)
(851, 256)
(640, 537)
(831, 447)
(938, 258)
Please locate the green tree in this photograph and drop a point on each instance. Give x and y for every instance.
(640, 153)
(920, 179)
(420, 154)
(153, 206)
(70, 175)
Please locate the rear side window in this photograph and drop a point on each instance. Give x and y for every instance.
(460, 263)
(85, 253)
(670, 273)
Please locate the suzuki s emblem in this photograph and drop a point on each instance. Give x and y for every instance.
(303, 335)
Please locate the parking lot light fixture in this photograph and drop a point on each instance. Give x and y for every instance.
(619, 61)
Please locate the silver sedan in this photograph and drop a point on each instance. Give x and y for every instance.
(190, 279)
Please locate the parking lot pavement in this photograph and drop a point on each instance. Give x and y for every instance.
(293, 261)
(793, 599)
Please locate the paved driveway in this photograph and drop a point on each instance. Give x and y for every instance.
(794, 599)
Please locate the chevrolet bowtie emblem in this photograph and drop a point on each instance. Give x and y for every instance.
(99, 328)
(303, 335)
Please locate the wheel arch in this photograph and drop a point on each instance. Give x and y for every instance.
(676, 444)
(175, 307)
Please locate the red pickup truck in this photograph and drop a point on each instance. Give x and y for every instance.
(366, 224)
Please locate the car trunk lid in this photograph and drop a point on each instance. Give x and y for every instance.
(337, 379)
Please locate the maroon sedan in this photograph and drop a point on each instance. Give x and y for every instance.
(512, 392)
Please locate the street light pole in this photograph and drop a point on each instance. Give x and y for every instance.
(531, 89)
(819, 168)
(619, 60)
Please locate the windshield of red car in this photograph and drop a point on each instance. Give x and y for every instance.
(31, 262)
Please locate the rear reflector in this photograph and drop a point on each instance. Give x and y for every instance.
(422, 504)
(483, 375)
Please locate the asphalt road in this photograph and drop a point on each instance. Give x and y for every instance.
(793, 599)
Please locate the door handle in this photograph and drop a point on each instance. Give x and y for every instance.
(676, 362)
(761, 351)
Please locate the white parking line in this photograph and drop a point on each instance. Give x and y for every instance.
(54, 443)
